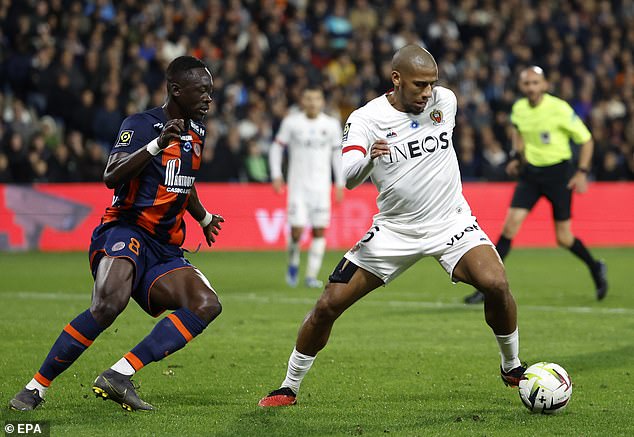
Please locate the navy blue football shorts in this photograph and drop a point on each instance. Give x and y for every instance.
(150, 258)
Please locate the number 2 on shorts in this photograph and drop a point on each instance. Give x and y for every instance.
(370, 234)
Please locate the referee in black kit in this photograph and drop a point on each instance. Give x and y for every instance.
(541, 157)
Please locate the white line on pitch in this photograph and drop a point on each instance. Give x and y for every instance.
(279, 299)
(421, 304)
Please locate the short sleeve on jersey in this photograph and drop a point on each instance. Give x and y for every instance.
(574, 126)
(514, 110)
(356, 135)
(135, 132)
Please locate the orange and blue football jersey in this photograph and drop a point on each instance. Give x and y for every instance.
(156, 199)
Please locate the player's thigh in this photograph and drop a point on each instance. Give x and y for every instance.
(481, 267)
(385, 253)
(185, 287)
(118, 260)
(347, 284)
(114, 278)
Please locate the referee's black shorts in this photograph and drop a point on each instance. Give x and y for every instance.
(551, 182)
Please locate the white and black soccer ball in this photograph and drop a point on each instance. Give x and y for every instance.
(545, 388)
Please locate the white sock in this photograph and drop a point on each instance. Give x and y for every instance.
(293, 253)
(315, 256)
(509, 350)
(124, 367)
(40, 388)
(298, 366)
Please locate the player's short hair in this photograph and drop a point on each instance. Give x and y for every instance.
(181, 65)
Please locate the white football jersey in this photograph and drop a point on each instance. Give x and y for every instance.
(312, 145)
(419, 182)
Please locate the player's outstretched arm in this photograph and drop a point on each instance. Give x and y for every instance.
(357, 166)
(209, 222)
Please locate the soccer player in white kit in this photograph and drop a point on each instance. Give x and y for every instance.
(403, 142)
(313, 140)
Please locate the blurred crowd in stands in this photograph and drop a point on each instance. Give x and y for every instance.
(71, 71)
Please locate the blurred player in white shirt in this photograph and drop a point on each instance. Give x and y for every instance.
(403, 142)
(313, 141)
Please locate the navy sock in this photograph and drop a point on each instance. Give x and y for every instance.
(76, 337)
(503, 247)
(580, 250)
(169, 335)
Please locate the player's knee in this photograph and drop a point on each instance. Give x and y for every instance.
(494, 284)
(207, 306)
(565, 240)
(326, 310)
(105, 312)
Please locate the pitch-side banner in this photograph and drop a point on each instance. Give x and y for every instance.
(62, 216)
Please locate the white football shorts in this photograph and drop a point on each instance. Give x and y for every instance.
(386, 252)
(309, 210)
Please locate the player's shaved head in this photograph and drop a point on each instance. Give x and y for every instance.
(533, 69)
(533, 84)
(412, 57)
(414, 73)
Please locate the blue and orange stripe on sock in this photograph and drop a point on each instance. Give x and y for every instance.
(134, 361)
(77, 335)
(181, 328)
(42, 379)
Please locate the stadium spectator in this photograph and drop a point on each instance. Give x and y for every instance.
(5, 174)
(59, 50)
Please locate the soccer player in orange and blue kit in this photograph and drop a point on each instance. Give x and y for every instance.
(136, 250)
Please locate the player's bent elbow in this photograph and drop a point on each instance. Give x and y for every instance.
(109, 179)
(110, 183)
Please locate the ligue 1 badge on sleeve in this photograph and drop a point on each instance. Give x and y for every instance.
(125, 136)
(346, 130)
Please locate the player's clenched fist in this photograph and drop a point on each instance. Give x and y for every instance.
(171, 131)
(379, 148)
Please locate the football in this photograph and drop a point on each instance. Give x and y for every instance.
(545, 388)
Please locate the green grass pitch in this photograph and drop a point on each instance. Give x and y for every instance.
(408, 360)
